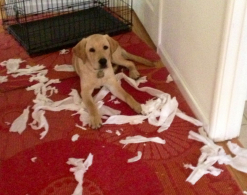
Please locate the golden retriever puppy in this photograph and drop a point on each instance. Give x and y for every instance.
(92, 59)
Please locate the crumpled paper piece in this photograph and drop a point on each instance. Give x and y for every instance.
(163, 107)
(190, 119)
(123, 119)
(3, 79)
(12, 65)
(79, 170)
(34, 159)
(136, 158)
(212, 153)
(39, 122)
(20, 123)
(201, 170)
(64, 68)
(63, 51)
(169, 79)
(238, 162)
(75, 137)
(29, 70)
(236, 149)
(40, 77)
(141, 139)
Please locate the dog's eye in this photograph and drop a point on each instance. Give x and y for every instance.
(92, 50)
(105, 47)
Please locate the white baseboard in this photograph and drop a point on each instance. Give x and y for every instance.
(183, 86)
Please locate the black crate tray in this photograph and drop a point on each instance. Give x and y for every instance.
(58, 32)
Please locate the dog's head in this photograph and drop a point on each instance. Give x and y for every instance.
(96, 50)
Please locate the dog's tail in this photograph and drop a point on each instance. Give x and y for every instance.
(135, 58)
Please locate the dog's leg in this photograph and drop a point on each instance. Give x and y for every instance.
(94, 116)
(133, 72)
(136, 58)
(120, 93)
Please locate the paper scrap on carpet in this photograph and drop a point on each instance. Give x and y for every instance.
(141, 139)
(136, 158)
(212, 153)
(79, 169)
(3, 79)
(20, 123)
(64, 68)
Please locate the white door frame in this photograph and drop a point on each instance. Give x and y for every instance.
(231, 81)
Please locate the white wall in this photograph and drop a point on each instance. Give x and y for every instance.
(190, 44)
(203, 45)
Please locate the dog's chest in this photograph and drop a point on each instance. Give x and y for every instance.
(97, 79)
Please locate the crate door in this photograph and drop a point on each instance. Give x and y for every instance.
(37, 6)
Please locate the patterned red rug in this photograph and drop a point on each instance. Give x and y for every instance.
(159, 172)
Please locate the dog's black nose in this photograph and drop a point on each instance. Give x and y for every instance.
(103, 63)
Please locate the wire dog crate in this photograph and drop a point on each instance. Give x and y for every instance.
(48, 25)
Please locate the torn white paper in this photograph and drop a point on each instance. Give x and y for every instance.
(212, 153)
(116, 102)
(64, 68)
(29, 70)
(63, 51)
(141, 80)
(185, 117)
(123, 119)
(79, 170)
(34, 159)
(238, 162)
(7, 123)
(237, 150)
(12, 65)
(201, 170)
(169, 79)
(39, 77)
(75, 137)
(141, 139)
(20, 123)
(81, 127)
(136, 158)
(39, 122)
(118, 133)
(164, 108)
(3, 79)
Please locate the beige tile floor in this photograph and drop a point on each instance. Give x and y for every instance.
(243, 132)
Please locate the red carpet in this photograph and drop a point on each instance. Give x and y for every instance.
(159, 172)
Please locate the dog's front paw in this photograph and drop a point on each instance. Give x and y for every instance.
(95, 122)
(137, 107)
(134, 74)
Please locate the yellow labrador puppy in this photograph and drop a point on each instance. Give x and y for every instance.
(92, 59)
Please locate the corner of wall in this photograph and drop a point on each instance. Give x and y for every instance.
(183, 86)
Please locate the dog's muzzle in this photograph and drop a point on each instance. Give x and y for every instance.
(103, 63)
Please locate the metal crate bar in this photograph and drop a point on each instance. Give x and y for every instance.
(49, 25)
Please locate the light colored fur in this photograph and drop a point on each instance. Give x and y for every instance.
(86, 61)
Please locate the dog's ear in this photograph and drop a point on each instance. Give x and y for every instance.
(113, 44)
(80, 50)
